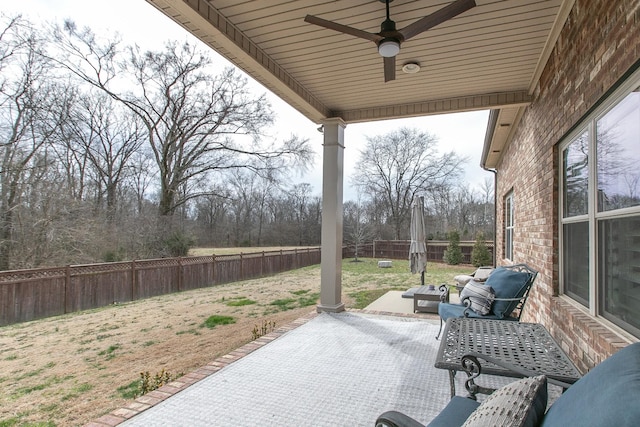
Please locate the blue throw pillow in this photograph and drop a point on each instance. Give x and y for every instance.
(606, 396)
(507, 283)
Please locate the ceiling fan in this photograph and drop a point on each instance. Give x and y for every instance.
(389, 39)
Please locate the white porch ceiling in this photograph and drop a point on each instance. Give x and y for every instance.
(489, 57)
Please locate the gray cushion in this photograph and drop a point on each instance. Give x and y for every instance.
(507, 284)
(462, 279)
(482, 274)
(481, 296)
(518, 404)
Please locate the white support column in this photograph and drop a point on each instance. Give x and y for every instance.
(332, 188)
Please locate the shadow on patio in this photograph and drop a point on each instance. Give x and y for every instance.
(332, 370)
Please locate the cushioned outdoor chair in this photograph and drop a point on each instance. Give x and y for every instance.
(606, 396)
(502, 296)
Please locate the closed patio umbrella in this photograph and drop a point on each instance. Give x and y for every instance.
(418, 247)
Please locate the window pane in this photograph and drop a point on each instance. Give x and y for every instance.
(508, 211)
(508, 226)
(618, 155)
(576, 176)
(576, 261)
(619, 270)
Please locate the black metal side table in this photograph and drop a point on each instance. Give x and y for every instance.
(525, 346)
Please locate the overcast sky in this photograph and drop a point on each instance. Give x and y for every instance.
(138, 22)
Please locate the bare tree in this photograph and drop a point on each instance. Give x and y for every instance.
(139, 177)
(30, 101)
(267, 187)
(400, 165)
(212, 213)
(107, 136)
(488, 206)
(242, 205)
(298, 196)
(193, 118)
(464, 203)
(357, 229)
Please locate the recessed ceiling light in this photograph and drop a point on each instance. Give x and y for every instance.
(411, 67)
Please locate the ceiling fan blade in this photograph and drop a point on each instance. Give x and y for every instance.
(436, 18)
(342, 28)
(389, 68)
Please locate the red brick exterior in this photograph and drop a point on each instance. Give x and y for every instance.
(598, 44)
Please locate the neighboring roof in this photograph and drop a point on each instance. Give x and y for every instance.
(489, 57)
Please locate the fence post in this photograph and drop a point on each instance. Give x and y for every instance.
(213, 269)
(133, 280)
(180, 274)
(67, 282)
(241, 269)
(262, 265)
(280, 267)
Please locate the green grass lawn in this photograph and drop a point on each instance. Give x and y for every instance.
(365, 282)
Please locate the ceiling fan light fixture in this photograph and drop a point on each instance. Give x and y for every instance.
(388, 48)
(389, 39)
(411, 67)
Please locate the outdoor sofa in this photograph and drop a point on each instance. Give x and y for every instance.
(606, 396)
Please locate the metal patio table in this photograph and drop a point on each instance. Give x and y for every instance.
(426, 300)
(523, 347)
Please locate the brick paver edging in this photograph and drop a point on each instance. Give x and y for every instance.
(154, 397)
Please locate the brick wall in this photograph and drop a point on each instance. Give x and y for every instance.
(598, 44)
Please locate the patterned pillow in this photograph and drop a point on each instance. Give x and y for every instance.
(519, 404)
(480, 296)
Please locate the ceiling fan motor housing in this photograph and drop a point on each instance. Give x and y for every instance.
(389, 46)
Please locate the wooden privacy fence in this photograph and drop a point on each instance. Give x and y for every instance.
(399, 249)
(37, 293)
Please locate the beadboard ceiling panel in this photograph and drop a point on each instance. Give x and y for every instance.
(488, 57)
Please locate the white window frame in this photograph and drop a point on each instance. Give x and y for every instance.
(589, 124)
(509, 225)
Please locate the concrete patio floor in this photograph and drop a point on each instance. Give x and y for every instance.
(340, 369)
(392, 302)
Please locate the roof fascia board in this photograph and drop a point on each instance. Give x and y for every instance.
(550, 43)
(204, 21)
(434, 107)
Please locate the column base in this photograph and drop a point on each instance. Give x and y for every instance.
(330, 308)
